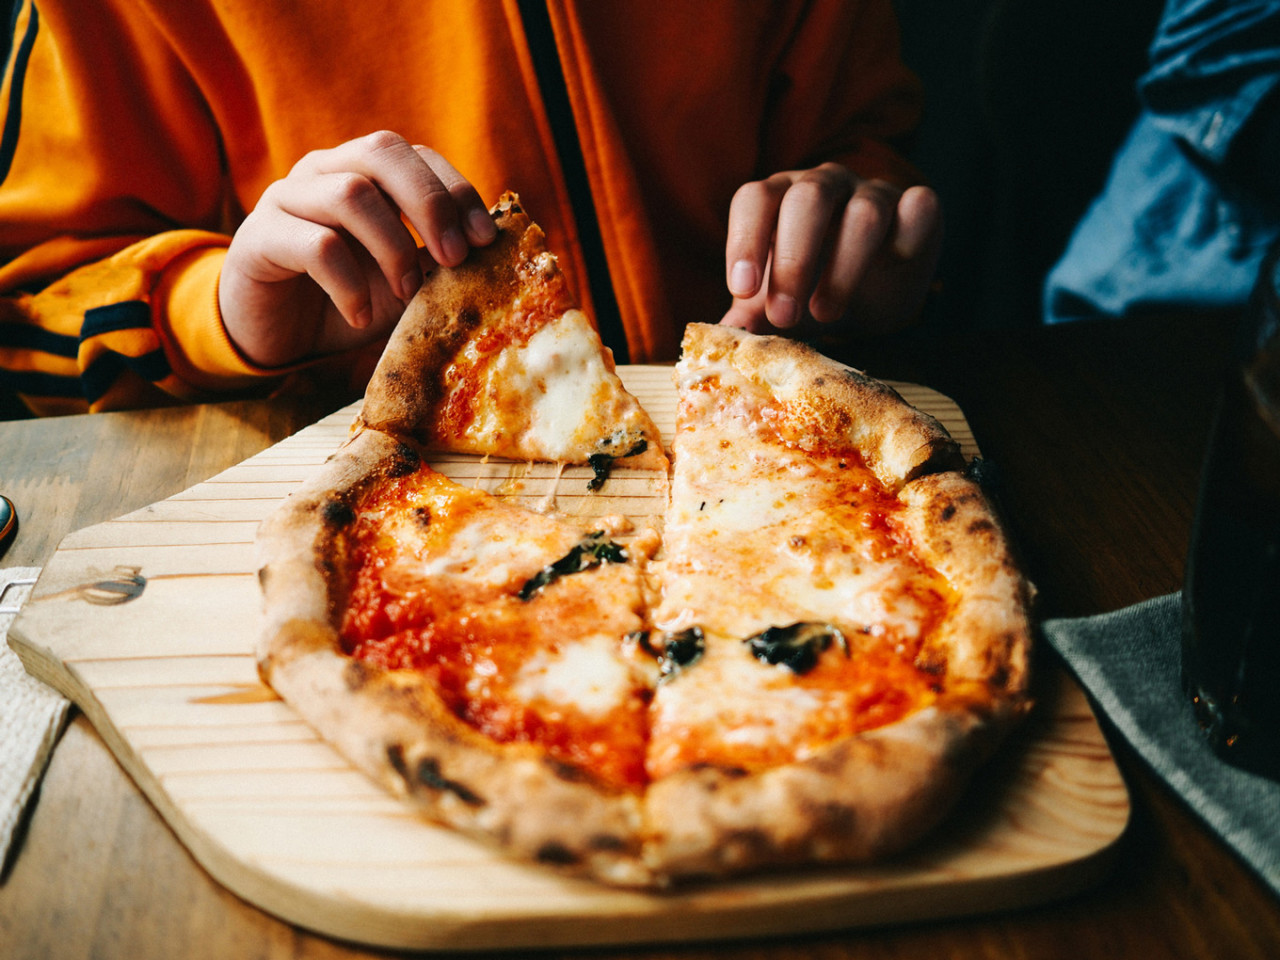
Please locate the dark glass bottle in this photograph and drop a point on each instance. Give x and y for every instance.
(1231, 594)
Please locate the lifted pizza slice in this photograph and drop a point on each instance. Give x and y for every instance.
(494, 357)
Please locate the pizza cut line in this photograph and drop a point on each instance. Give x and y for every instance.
(804, 664)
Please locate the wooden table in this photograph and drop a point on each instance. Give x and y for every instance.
(1097, 432)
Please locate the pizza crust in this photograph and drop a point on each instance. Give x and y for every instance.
(397, 729)
(405, 388)
(844, 405)
(986, 642)
(857, 800)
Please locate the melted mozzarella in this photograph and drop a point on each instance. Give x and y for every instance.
(555, 384)
(587, 675)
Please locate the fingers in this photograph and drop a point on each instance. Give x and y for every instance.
(345, 238)
(778, 228)
(364, 186)
(860, 236)
(824, 245)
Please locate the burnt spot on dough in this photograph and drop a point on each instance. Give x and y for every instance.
(566, 771)
(982, 527)
(469, 316)
(1000, 675)
(395, 756)
(335, 512)
(713, 773)
(931, 662)
(831, 819)
(606, 842)
(556, 854)
(429, 775)
(357, 675)
(403, 461)
(947, 512)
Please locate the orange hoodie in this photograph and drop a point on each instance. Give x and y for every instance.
(136, 133)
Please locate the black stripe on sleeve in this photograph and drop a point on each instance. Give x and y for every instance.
(555, 97)
(13, 115)
(98, 378)
(32, 383)
(127, 315)
(24, 336)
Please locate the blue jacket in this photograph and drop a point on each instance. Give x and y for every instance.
(1192, 202)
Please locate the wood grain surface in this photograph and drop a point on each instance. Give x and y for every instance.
(168, 680)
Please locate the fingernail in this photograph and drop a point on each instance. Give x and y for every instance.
(784, 311)
(454, 245)
(364, 317)
(410, 283)
(742, 279)
(482, 225)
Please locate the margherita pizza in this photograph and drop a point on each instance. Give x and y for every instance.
(805, 664)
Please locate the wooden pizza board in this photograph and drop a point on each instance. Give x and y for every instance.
(147, 622)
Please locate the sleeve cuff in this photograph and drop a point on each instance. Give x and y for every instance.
(200, 350)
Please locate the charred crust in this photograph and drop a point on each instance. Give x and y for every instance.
(357, 675)
(947, 512)
(335, 512)
(1000, 676)
(556, 854)
(832, 818)
(429, 775)
(395, 757)
(567, 771)
(606, 842)
(931, 664)
(403, 461)
(468, 316)
(704, 768)
(982, 527)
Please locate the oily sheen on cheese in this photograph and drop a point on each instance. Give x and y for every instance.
(764, 533)
(494, 358)
(438, 574)
(553, 377)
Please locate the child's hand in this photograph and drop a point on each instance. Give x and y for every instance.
(325, 262)
(824, 245)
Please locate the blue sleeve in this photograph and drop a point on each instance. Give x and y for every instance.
(1189, 208)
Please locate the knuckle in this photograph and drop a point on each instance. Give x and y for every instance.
(324, 246)
(815, 190)
(381, 141)
(868, 215)
(351, 190)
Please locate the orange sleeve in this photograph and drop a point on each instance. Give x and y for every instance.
(107, 154)
(845, 94)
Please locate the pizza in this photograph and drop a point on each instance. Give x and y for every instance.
(496, 358)
(802, 661)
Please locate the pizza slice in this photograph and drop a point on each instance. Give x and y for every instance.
(848, 627)
(474, 657)
(493, 357)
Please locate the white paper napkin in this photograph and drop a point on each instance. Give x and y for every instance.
(31, 717)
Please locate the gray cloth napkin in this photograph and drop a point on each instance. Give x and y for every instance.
(31, 717)
(1130, 661)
